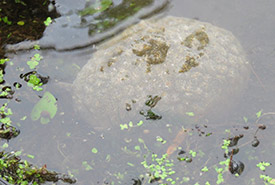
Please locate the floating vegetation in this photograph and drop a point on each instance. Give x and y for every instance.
(34, 79)
(7, 132)
(6, 93)
(34, 61)
(17, 171)
(13, 170)
(262, 166)
(48, 21)
(130, 125)
(164, 169)
(160, 169)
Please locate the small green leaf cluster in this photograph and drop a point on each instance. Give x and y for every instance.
(17, 171)
(161, 168)
(224, 164)
(33, 80)
(160, 139)
(34, 61)
(225, 145)
(268, 179)
(259, 113)
(188, 159)
(2, 62)
(7, 131)
(5, 20)
(48, 21)
(205, 169)
(262, 166)
(220, 175)
(190, 114)
(6, 92)
(5, 112)
(94, 150)
(35, 83)
(130, 125)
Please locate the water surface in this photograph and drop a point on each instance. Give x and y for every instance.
(65, 144)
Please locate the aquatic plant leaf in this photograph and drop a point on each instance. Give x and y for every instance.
(190, 113)
(259, 113)
(140, 123)
(34, 61)
(3, 60)
(20, 23)
(123, 126)
(30, 156)
(94, 150)
(36, 46)
(45, 108)
(34, 80)
(48, 21)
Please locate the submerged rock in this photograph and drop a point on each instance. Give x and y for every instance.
(187, 65)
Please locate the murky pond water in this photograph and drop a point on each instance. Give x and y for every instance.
(123, 153)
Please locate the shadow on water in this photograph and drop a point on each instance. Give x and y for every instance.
(126, 154)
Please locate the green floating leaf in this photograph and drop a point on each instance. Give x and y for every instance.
(36, 46)
(45, 108)
(34, 80)
(137, 147)
(258, 114)
(140, 140)
(123, 126)
(140, 123)
(263, 165)
(30, 156)
(5, 145)
(94, 150)
(204, 169)
(20, 23)
(190, 113)
(3, 60)
(34, 61)
(23, 118)
(130, 124)
(131, 164)
(48, 21)
(245, 119)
